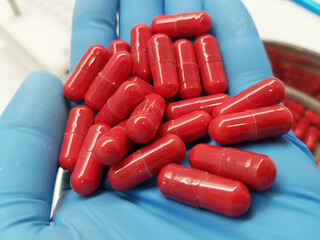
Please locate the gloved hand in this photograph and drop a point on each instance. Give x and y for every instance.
(31, 131)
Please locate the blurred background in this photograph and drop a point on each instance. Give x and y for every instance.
(35, 34)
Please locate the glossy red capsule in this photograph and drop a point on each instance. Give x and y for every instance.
(146, 162)
(90, 64)
(182, 24)
(118, 45)
(190, 127)
(116, 71)
(145, 120)
(267, 92)
(188, 71)
(163, 65)
(207, 103)
(293, 105)
(88, 171)
(257, 171)
(301, 127)
(140, 35)
(251, 125)
(315, 118)
(311, 138)
(202, 189)
(79, 121)
(113, 146)
(121, 104)
(210, 64)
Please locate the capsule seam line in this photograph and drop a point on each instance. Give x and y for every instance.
(198, 188)
(146, 167)
(255, 126)
(187, 63)
(113, 111)
(173, 62)
(106, 79)
(208, 62)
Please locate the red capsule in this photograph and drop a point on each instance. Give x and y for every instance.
(90, 64)
(207, 103)
(301, 127)
(118, 45)
(145, 120)
(255, 170)
(201, 189)
(293, 105)
(116, 71)
(140, 35)
(88, 171)
(182, 24)
(295, 116)
(146, 162)
(123, 101)
(113, 146)
(315, 118)
(163, 66)
(251, 125)
(311, 138)
(190, 127)
(79, 121)
(210, 64)
(188, 72)
(267, 92)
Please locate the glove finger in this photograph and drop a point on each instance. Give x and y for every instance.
(94, 22)
(176, 6)
(244, 57)
(31, 131)
(133, 12)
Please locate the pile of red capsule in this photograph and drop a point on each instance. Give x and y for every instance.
(118, 84)
(306, 123)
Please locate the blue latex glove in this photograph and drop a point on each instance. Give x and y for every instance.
(31, 130)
